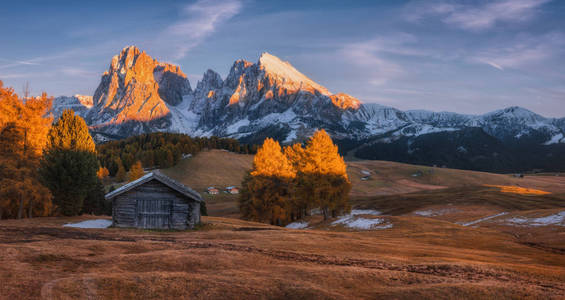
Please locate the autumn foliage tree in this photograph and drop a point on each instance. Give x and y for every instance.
(322, 179)
(102, 173)
(136, 171)
(23, 131)
(285, 186)
(69, 163)
(267, 188)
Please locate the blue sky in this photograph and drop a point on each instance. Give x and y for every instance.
(462, 56)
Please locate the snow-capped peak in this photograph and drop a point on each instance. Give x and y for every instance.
(514, 112)
(291, 77)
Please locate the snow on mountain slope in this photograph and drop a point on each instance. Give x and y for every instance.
(290, 78)
(138, 94)
(78, 103)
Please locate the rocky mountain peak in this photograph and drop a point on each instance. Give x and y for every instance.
(287, 76)
(210, 80)
(345, 101)
(137, 88)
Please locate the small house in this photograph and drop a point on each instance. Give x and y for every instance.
(155, 201)
(213, 191)
(232, 190)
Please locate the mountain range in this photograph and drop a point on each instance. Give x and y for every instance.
(270, 98)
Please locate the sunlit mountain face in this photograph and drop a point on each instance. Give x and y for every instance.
(371, 73)
(271, 98)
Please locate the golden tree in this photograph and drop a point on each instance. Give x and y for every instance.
(283, 187)
(323, 178)
(70, 133)
(266, 189)
(136, 171)
(102, 173)
(270, 161)
(23, 131)
(322, 156)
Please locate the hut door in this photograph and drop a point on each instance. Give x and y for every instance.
(153, 213)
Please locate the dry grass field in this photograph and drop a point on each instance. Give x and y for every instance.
(449, 234)
(233, 259)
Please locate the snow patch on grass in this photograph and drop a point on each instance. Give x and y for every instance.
(297, 225)
(433, 213)
(100, 223)
(355, 212)
(356, 221)
(556, 219)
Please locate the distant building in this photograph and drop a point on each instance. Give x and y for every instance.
(213, 191)
(232, 190)
(155, 201)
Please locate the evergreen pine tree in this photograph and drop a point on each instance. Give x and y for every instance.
(69, 163)
(121, 173)
(70, 132)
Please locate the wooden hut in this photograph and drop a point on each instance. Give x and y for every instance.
(155, 201)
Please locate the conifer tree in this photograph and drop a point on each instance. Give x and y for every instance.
(70, 132)
(102, 173)
(121, 173)
(266, 189)
(270, 161)
(323, 181)
(69, 163)
(136, 171)
(283, 187)
(23, 130)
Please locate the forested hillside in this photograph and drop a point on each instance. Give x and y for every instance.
(161, 150)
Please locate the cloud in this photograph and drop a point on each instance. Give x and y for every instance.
(475, 17)
(17, 63)
(525, 51)
(199, 20)
(375, 56)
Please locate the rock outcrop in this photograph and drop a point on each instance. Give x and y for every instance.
(133, 94)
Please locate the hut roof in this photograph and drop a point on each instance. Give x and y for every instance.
(173, 184)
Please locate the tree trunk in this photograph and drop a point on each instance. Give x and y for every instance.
(30, 210)
(21, 208)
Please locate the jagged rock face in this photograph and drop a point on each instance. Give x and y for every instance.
(138, 94)
(78, 103)
(271, 87)
(136, 89)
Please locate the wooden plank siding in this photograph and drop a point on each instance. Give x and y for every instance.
(154, 205)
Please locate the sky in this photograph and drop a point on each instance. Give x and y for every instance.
(462, 56)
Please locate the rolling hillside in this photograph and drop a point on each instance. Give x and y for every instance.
(221, 168)
(392, 188)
